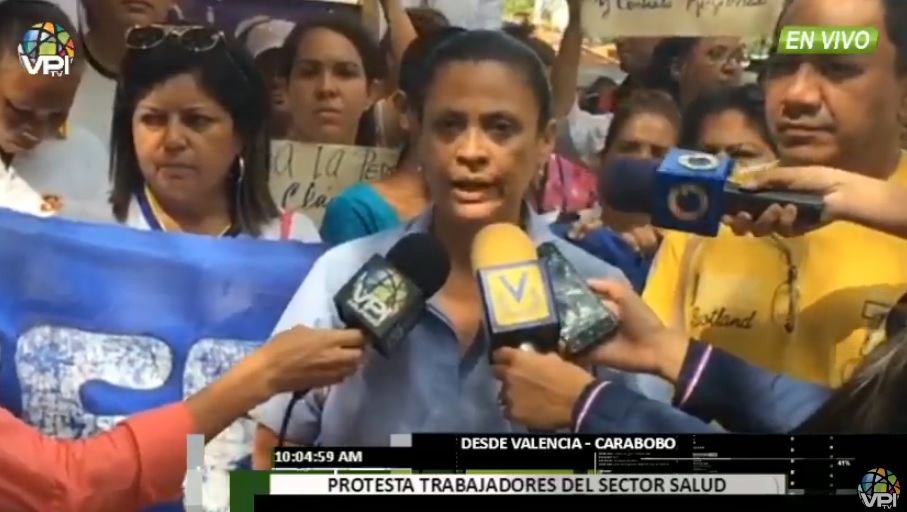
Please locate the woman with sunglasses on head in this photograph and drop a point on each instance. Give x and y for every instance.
(42, 173)
(191, 150)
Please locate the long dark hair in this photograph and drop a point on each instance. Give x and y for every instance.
(228, 74)
(872, 401)
(373, 64)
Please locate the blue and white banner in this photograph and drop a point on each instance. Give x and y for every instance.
(100, 322)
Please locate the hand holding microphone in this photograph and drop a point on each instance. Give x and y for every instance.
(303, 358)
(642, 343)
(690, 191)
(533, 309)
(383, 302)
(845, 195)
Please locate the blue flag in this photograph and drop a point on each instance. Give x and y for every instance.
(100, 322)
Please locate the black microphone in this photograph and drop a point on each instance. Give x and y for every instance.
(585, 321)
(386, 297)
(689, 191)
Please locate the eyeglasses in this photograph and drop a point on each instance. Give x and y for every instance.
(194, 38)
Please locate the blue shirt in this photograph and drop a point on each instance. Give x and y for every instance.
(426, 385)
(607, 246)
(357, 212)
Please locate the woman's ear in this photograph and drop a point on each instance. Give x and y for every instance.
(401, 106)
(547, 139)
(375, 90)
(676, 69)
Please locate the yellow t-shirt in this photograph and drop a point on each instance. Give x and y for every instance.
(737, 294)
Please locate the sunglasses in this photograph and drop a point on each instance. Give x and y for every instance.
(194, 38)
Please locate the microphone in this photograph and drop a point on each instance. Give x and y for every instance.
(585, 321)
(386, 297)
(516, 292)
(689, 191)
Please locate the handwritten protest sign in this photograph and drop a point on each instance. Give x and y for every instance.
(622, 18)
(307, 176)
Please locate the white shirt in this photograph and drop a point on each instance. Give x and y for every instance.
(587, 133)
(93, 106)
(71, 172)
(301, 228)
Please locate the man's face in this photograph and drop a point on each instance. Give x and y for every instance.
(833, 109)
(32, 107)
(127, 13)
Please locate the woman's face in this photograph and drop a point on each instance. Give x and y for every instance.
(32, 107)
(731, 132)
(328, 90)
(712, 62)
(184, 140)
(645, 135)
(480, 142)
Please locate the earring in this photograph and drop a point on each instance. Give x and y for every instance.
(241, 166)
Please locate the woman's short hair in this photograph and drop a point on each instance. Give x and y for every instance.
(487, 45)
(228, 74)
(373, 64)
(746, 99)
(524, 32)
(641, 101)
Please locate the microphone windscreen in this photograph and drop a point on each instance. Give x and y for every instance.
(501, 244)
(422, 259)
(628, 184)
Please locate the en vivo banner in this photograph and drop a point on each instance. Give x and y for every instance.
(99, 322)
(307, 176)
(626, 18)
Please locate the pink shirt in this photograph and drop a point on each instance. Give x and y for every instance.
(568, 187)
(136, 464)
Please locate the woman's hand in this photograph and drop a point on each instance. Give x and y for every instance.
(846, 196)
(643, 343)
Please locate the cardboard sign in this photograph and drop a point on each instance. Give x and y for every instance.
(307, 177)
(656, 18)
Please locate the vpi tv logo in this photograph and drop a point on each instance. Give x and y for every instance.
(46, 49)
(879, 488)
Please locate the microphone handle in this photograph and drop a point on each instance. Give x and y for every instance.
(287, 414)
(810, 208)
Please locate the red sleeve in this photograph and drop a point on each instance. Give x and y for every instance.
(132, 466)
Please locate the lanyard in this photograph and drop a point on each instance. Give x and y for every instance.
(153, 213)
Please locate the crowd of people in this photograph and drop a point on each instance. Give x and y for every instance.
(165, 124)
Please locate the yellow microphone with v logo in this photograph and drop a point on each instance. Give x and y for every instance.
(516, 291)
